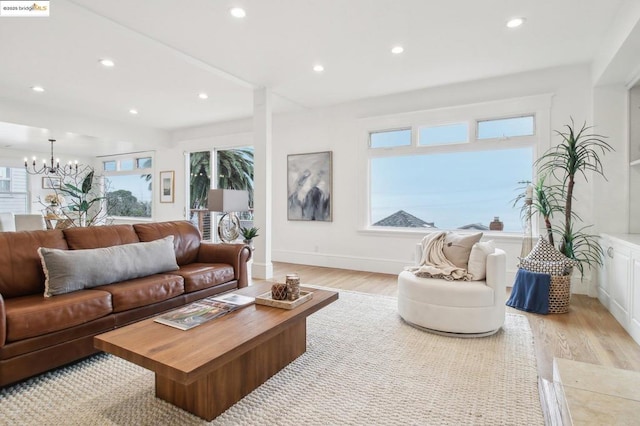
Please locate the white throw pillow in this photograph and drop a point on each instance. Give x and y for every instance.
(478, 259)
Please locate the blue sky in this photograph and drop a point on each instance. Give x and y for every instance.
(453, 189)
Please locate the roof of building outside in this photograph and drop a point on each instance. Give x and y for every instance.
(402, 219)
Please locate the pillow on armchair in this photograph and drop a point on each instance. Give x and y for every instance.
(457, 248)
(478, 259)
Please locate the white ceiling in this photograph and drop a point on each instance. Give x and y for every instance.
(168, 51)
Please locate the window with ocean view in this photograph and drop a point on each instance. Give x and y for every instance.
(451, 177)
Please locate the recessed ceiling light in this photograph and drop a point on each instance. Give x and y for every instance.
(133, 111)
(238, 12)
(318, 68)
(37, 88)
(107, 63)
(515, 22)
(397, 50)
(203, 96)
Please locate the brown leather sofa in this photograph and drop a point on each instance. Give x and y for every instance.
(39, 333)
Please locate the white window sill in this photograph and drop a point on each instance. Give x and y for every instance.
(417, 232)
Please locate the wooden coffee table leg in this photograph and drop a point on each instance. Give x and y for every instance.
(211, 395)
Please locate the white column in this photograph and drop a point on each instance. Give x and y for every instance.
(262, 266)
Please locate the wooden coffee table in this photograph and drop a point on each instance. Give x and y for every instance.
(209, 368)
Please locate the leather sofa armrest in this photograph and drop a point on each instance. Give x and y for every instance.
(497, 274)
(3, 323)
(236, 255)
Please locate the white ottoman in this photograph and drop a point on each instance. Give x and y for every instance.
(462, 308)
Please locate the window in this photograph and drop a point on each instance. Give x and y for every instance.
(454, 190)
(13, 190)
(109, 166)
(450, 178)
(128, 186)
(232, 169)
(506, 127)
(446, 134)
(390, 138)
(5, 179)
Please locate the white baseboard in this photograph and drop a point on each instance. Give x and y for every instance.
(262, 270)
(386, 266)
(356, 263)
(603, 296)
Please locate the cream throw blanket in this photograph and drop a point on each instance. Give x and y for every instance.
(434, 264)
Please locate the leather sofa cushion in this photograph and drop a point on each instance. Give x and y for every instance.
(20, 268)
(72, 270)
(143, 291)
(36, 315)
(198, 276)
(186, 237)
(100, 236)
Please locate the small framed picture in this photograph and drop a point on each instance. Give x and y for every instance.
(51, 182)
(167, 186)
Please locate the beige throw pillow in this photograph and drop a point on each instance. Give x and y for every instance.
(478, 259)
(457, 247)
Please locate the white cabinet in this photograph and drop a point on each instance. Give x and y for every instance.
(620, 259)
(619, 286)
(634, 320)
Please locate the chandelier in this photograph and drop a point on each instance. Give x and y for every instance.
(54, 168)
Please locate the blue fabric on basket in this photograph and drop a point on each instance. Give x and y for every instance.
(530, 292)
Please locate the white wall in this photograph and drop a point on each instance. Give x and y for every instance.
(343, 243)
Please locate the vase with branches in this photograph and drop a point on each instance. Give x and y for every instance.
(577, 155)
(84, 196)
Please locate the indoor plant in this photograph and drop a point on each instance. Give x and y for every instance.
(249, 234)
(83, 198)
(577, 154)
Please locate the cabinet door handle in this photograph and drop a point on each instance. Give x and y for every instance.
(610, 252)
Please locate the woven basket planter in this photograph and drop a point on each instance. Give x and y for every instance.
(559, 294)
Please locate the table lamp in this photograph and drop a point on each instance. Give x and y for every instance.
(228, 201)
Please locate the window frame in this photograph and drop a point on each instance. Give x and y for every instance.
(502, 138)
(539, 106)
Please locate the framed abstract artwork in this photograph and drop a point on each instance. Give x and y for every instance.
(167, 186)
(309, 186)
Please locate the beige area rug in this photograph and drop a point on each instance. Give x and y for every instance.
(363, 366)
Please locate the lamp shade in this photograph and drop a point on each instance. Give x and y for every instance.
(228, 200)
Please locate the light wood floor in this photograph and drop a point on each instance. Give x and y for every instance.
(588, 333)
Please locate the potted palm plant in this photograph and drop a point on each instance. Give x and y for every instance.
(577, 154)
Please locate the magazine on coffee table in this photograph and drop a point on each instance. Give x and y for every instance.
(196, 313)
(235, 299)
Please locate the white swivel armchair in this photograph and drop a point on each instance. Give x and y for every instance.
(461, 308)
